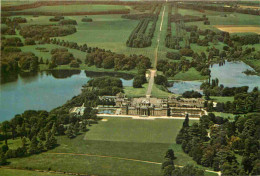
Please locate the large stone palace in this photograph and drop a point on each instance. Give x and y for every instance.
(150, 106)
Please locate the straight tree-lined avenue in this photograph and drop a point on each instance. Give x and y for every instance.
(153, 71)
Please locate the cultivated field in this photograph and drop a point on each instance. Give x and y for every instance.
(119, 146)
(239, 29)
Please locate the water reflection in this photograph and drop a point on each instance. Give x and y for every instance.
(179, 87)
(231, 74)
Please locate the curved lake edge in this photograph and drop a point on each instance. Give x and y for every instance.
(45, 90)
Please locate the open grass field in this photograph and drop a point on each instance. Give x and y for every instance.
(222, 99)
(136, 92)
(219, 18)
(77, 8)
(225, 115)
(111, 32)
(6, 3)
(13, 172)
(107, 147)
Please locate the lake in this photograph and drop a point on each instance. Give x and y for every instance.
(45, 90)
(230, 75)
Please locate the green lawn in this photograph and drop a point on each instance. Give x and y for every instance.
(111, 32)
(136, 92)
(13, 172)
(158, 91)
(118, 137)
(225, 115)
(77, 8)
(222, 99)
(190, 75)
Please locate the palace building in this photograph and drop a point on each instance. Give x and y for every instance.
(150, 106)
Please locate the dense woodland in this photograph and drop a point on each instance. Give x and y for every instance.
(15, 62)
(108, 59)
(106, 85)
(225, 140)
(46, 31)
(244, 102)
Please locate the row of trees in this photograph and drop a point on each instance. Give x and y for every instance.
(139, 37)
(217, 149)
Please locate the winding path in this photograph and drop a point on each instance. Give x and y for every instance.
(153, 71)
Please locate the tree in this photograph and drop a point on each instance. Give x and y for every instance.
(170, 154)
(76, 128)
(5, 128)
(33, 147)
(53, 129)
(83, 127)
(51, 142)
(161, 80)
(192, 170)
(2, 159)
(40, 146)
(42, 135)
(24, 142)
(61, 130)
(70, 132)
(137, 83)
(186, 121)
(41, 61)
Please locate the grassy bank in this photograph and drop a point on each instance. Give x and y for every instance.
(190, 75)
(136, 92)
